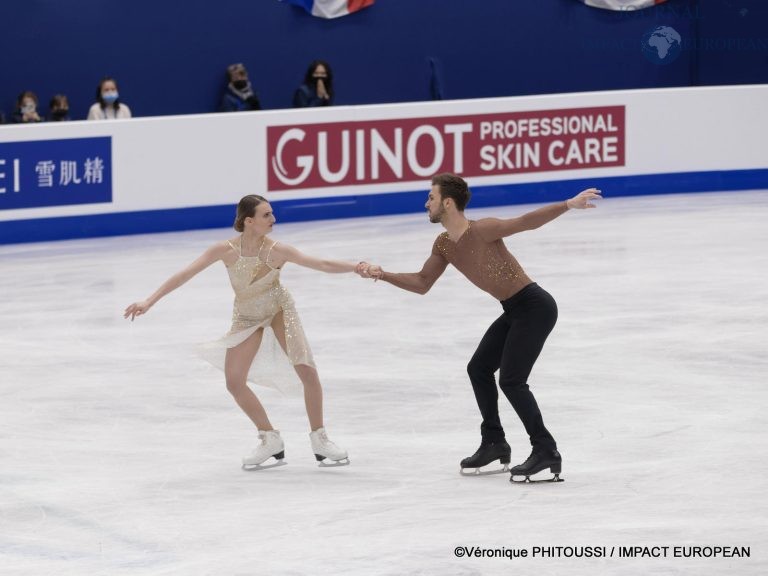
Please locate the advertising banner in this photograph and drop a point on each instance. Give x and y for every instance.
(55, 172)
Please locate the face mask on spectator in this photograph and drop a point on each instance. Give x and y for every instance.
(60, 113)
(28, 109)
(240, 84)
(109, 97)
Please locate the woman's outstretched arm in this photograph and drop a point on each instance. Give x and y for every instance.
(284, 253)
(213, 254)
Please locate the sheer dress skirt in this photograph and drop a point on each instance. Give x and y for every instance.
(272, 366)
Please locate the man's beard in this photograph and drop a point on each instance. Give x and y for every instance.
(437, 217)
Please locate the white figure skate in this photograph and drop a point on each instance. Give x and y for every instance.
(271, 446)
(324, 448)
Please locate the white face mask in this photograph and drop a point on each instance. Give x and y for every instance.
(28, 109)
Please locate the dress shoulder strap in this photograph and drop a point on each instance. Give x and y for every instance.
(236, 248)
(269, 252)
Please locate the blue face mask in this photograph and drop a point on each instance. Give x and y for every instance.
(109, 97)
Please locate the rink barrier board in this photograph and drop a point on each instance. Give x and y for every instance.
(186, 172)
(305, 209)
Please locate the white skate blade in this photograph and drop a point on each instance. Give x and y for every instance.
(483, 471)
(333, 463)
(527, 479)
(256, 467)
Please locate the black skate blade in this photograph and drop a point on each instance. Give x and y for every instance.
(332, 463)
(483, 472)
(527, 480)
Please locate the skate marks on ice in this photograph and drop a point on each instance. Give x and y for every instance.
(121, 451)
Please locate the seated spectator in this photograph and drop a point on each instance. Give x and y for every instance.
(108, 105)
(26, 109)
(58, 109)
(317, 89)
(238, 95)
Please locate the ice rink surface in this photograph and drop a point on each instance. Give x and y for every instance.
(120, 450)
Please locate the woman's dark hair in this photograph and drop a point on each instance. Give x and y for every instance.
(246, 208)
(309, 80)
(454, 187)
(58, 101)
(26, 94)
(99, 99)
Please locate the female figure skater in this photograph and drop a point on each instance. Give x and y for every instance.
(264, 316)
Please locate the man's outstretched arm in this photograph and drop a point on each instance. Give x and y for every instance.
(495, 228)
(419, 282)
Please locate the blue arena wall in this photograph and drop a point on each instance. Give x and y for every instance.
(169, 57)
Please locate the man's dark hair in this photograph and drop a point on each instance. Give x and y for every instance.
(453, 187)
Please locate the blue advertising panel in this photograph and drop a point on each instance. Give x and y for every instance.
(55, 172)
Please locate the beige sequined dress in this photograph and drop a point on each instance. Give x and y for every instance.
(259, 297)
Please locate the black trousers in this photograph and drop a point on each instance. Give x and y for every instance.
(511, 345)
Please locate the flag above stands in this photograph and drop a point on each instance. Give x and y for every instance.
(622, 4)
(330, 8)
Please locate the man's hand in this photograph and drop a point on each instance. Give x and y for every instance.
(366, 270)
(582, 199)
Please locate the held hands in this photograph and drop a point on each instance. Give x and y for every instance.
(365, 270)
(137, 309)
(582, 199)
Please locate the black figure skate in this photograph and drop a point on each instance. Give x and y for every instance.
(487, 453)
(536, 462)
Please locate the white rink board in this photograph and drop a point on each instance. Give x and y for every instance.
(209, 160)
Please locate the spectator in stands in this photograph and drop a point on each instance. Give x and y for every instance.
(58, 109)
(239, 95)
(26, 109)
(317, 89)
(108, 105)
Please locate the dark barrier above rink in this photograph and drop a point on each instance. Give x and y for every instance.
(395, 51)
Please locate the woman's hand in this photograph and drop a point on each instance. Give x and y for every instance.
(137, 309)
(321, 91)
(366, 270)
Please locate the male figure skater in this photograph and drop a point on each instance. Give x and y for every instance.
(513, 342)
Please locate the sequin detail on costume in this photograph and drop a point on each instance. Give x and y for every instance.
(488, 265)
(259, 297)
